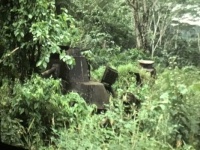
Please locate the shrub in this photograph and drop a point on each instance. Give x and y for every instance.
(35, 107)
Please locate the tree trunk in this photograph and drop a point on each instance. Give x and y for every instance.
(140, 15)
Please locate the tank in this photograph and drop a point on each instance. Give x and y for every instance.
(77, 78)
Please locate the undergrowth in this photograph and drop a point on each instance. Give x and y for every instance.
(37, 116)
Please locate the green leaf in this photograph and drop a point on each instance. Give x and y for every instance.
(47, 59)
(62, 55)
(30, 16)
(39, 63)
(162, 106)
(44, 64)
(36, 105)
(182, 89)
(165, 96)
(21, 34)
(21, 111)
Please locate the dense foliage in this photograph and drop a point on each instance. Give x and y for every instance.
(35, 114)
(30, 31)
(38, 114)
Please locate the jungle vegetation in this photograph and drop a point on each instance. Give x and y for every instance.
(36, 115)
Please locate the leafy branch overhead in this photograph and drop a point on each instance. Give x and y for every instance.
(37, 30)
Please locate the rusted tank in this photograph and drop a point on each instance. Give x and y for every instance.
(77, 78)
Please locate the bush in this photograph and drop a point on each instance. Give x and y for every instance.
(32, 109)
(180, 89)
(36, 114)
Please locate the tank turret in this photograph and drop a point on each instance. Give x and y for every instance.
(77, 78)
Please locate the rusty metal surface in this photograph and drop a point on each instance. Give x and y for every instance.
(56, 64)
(48, 72)
(92, 92)
(79, 72)
(74, 52)
(110, 76)
(95, 93)
(148, 66)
